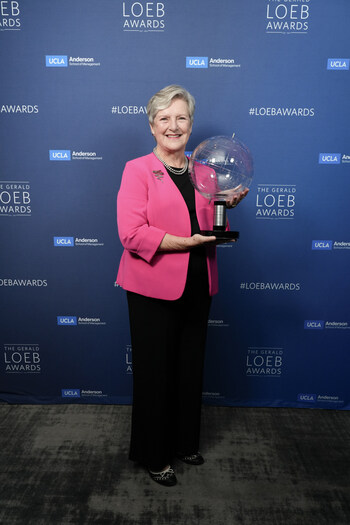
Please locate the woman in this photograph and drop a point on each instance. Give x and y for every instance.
(169, 271)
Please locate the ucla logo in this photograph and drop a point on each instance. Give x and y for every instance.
(63, 241)
(60, 154)
(314, 325)
(200, 62)
(338, 63)
(307, 398)
(56, 61)
(66, 320)
(70, 392)
(329, 158)
(322, 245)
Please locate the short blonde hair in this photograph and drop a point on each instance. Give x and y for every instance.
(164, 98)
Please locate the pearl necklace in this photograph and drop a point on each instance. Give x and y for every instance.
(175, 171)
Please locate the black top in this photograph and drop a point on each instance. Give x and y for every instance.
(197, 274)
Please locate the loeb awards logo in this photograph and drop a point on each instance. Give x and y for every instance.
(267, 362)
(15, 199)
(10, 16)
(22, 358)
(287, 18)
(128, 360)
(275, 201)
(143, 16)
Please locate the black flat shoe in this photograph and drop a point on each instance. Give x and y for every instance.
(192, 459)
(166, 478)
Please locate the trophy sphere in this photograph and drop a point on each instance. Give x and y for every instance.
(220, 167)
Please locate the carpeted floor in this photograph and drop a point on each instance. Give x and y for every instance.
(67, 464)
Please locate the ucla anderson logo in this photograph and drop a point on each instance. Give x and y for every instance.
(314, 325)
(307, 398)
(329, 158)
(66, 320)
(322, 245)
(341, 64)
(60, 154)
(200, 62)
(63, 241)
(70, 392)
(56, 61)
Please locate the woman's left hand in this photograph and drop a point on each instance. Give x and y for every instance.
(236, 199)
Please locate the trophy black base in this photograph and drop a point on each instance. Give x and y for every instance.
(223, 236)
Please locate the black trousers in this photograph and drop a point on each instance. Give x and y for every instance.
(168, 343)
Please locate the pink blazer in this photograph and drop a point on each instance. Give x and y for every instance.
(149, 205)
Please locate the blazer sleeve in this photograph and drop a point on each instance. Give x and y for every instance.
(136, 234)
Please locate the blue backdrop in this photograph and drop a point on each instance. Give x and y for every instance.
(75, 80)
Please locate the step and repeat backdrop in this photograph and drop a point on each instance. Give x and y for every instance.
(75, 80)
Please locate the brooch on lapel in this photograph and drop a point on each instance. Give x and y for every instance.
(158, 174)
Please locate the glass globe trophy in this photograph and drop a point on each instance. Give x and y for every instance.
(219, 168)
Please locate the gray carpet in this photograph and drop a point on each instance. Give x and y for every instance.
(67, 464)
